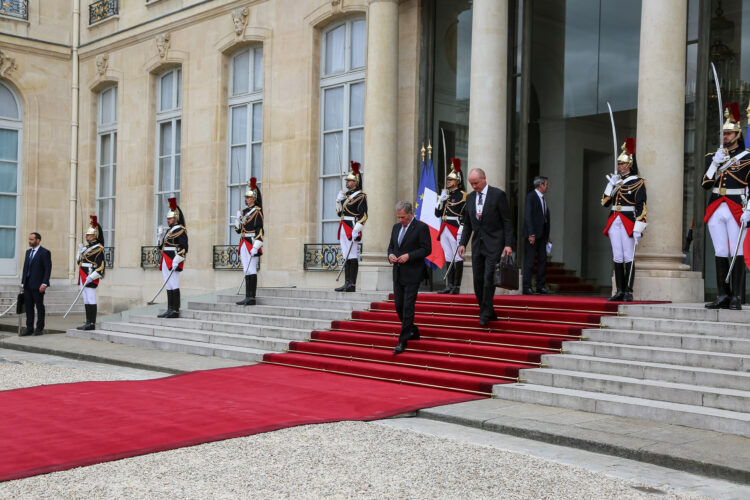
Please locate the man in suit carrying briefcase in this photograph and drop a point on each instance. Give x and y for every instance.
(487, 217)
(37, 267)
(410, 244)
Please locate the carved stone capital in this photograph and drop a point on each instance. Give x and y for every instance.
(7, 64)
(240, 17)
(162, 44)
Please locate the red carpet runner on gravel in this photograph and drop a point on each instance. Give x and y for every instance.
(348, 374)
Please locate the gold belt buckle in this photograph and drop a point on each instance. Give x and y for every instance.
(723, 191)
(618, 208)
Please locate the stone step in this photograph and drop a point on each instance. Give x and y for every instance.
(255, 320)
(338, 304)
(235, 311)
(707, 343)
(681, 326)
(324, 294)
(710, 397)
(682, 357)
(653, 371)
(687, 312)
(148, 325)
(174, 345)
(699, 417)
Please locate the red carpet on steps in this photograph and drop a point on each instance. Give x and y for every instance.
(58, 427)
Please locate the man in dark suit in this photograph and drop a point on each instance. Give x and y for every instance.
(536, 231)
(37, 267)
(410, 244)
(487, 217)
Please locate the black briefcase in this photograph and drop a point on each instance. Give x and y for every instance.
(506, 273)
(20, 304)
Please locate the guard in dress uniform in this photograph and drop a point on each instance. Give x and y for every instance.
(449, 209)
(352, 208)
(249, 225)
(626, 195)
(174, 248)
(727, 176)
(91, 270)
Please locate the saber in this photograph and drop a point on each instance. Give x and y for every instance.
(453, 261)
(632, 265)
(347, 258)
(614, 135)
(9, 308)
(721, 106)
(338, 160)
(734, 257)
(74, 300)
(153, 301)
(445, 154)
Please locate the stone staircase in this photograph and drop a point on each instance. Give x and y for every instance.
(57, 299)
(675, 363)
(226, 330)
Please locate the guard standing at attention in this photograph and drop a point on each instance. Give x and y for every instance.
(449, 209)
(91, 270)
(626, 194)
(352, 208)
(174, 248)
(727, 175)
(249, 225)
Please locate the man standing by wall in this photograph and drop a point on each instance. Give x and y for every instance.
(487, 217)
(37, 267)
(536, 230)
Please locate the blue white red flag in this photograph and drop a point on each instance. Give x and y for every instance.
(424, 210)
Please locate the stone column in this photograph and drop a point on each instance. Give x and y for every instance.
(489, 89)
(381, 131)
(660, 273)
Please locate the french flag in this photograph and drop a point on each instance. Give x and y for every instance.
(424, 210)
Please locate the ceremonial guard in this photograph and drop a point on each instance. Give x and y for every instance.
(352, 208)
(449, 209)
(727, 176)
(91, 270)
(249, 225)
(174, 248)
(626, 195)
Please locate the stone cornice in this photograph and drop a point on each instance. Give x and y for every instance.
(29, 46)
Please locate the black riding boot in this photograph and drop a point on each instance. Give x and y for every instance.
(175, 311)
(722, 289)
(347, 283)
(87, 325)
(449, 279)
(628, 278)
(90, 317)
(619, 283)
(458, 273)
(249, 299)
(169, 305)
(353, 270)
(738, 285)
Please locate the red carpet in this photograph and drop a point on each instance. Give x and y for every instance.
(58, 427)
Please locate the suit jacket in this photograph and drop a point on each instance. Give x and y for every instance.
(536, 222)
(417, 244)
(495, 230)
(38, 270)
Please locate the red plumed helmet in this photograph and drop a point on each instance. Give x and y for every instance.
(172, 204)
(628, 150)
(455, 173)
(94, 220)
(354, 174)
(732, 116)
(355, 167)
(253, 183)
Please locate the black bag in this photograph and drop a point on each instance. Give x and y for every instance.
(506, 273)
(20, 302)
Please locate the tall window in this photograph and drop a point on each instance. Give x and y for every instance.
(10, 177)
(168, 124)
(244, 156)
(342, 112)
(106, 162)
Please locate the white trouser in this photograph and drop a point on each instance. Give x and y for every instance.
(623, 246)
(174, 281)
(345, 244)
(249, 264)
(724, 232)
(89, 295)
(449, 244)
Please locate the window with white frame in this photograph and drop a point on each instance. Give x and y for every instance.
(245, 115)
(342, 111)
(106, 162)
(11, 127)
(168, 125)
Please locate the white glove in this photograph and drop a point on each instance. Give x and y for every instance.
(720, 157)
(637, 236)
(745, 217)
(711, 171)
(89, 279)
(460, 233)
(613, 179)
(94, 276)
(443, 195)
(160, 231)
(176, 261)
(81, 248)
(341, 196)
(357, 230)
(257, 245)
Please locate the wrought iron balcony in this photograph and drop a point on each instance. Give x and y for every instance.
(324, 256)
(150, 257)
(109, 257)
(102, 9)
(15, 8)
(226, 257)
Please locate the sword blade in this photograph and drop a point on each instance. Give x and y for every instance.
(445, 154)
(721, 105)
(74, 302)
(734, 257)
(153, 301)
(614, 135)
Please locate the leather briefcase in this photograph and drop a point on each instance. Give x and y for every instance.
(20, 303)
(506, 273)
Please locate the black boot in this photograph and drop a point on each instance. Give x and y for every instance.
(169, 306)
(619, 280)
(347, 283)
(628, 272)
(249, 292)
(722, 289)
(448, 279)
(253, 288)
(90, 317)
(353, 270)
(458, 273)
(174, 312)
(738, 284)
(87, 325)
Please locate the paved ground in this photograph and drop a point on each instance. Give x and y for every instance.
(405, 457)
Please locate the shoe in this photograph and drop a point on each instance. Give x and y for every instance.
(400, 347)
(343, 287)
(627, 297)
(38, 333)
(528, 291)
(483, 322)
(738, 285)
(172, 314)
(628, 272)
(85, 326)
(723, 293)
(169, 305)
(414, 334)
(543, 291)
(448, 281)
(619, 280)
(26, 333)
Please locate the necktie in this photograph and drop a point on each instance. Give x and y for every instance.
(480, 205)
(401, 235)
(544, 206)
(33, 252)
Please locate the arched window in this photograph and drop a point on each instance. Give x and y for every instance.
(10, 179)
(342, 111)
(106, 162)
(168, 140)
(245, 137)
